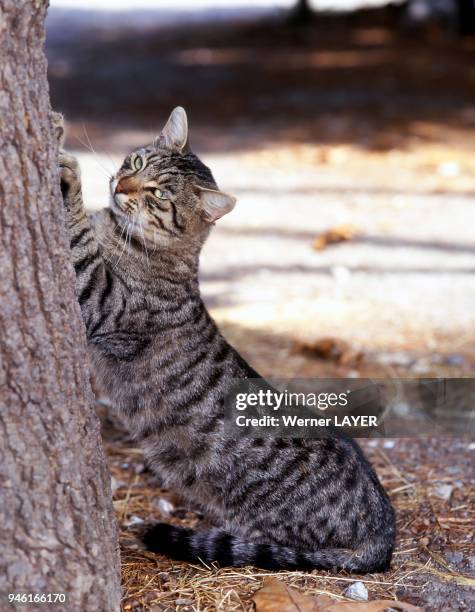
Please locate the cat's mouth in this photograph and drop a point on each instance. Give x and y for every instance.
(117, 206)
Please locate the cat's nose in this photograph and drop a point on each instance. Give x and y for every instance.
(126, 185)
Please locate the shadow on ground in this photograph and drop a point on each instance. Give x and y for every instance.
(358, 79)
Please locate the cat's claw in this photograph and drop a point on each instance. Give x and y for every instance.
(68, 164)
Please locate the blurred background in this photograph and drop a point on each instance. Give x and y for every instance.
(346, 129)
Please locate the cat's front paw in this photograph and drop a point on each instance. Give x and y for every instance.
(70, 176)
(57, 121)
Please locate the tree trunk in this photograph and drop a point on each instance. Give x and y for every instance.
(301, 13)
(466, 17)
(58, 533)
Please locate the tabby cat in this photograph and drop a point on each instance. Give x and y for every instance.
(274, 503)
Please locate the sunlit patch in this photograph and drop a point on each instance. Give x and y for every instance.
(373, 36)
(289, 57)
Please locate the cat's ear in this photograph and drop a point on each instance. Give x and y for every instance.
(215, 203)
(175, 133)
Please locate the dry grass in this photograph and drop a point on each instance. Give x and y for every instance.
(428, 528)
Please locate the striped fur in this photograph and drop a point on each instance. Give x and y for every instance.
(218, 546)
(161, 358)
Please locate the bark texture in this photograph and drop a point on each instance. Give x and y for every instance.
(57, 534)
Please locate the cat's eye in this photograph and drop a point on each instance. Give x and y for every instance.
(138, 163)
(158, 193)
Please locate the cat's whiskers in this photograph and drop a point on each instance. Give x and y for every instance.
(94, 151)
(129, 235)
(89, 147)
(127, 226)
(116, 247)
(114, 165)
(104, 170)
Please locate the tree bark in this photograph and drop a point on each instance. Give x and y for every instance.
(58, 532)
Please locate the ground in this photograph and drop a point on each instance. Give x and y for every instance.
(351, 148)
(432, 564)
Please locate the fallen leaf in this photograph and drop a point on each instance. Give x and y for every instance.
(275, 596)
(330, 349)
(340, 233)
(328, 604)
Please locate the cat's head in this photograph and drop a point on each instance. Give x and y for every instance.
(164, 194)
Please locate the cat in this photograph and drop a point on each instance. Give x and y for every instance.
(273, 503)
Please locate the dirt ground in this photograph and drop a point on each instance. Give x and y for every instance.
(350, 127)
(433, 565)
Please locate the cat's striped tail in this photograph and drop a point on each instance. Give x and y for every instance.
(215, 545)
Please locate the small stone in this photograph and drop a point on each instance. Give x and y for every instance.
(138, 468)
(443, 492)
(341, 274)
(184, 602)
(421, 367)
(165, 506)
(356, 590)
(454, 557)
(398, 358)
(453, 469)
(449, 169)
(133, 520)
(401, 409)
(151, 595)
(116, 484)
